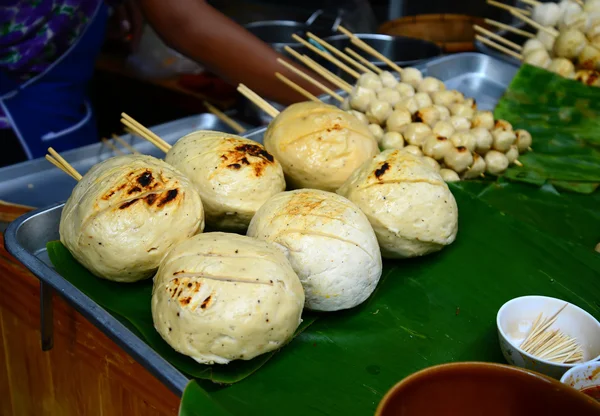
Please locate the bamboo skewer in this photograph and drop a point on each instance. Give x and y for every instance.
(534, 24)
(497, 37)
(258, 100)
(112, 146)
(499, 47)
(124, 144)
(510, 28)
(237, 127)
(320, 70)
(531, 2)
(367, 48)
(58, 161)
(144, 132)
(327, 56)
(507, 7)
(296, 87)
(311, 80)
(364, 60)
(339, 53)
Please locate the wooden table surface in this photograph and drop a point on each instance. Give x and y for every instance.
(84, 374)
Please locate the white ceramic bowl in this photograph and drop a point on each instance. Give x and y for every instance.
(516, 317)
(583, 376)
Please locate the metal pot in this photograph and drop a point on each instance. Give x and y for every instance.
(278, 33)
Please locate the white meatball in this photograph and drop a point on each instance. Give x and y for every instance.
(569, 44)
(460, 123)
(411, 76)
(538, 57)
(378, 111)
(462, 110)
(361, 97)
(476, 169)
(370, 81)
(458, 159)
(423, 99)
(415, 133)
(588, 77)
(376, 131)
(523, 140)
(389, 95)
(337, 260)
(546, 14)
(503, 139)
(407, 103)
(483, 119)
(398, 119)
(464, 139)
(496, 162)
(512, 154)
(483, 139)
(392, 140)
(432, 162)
(531, 45)
(428, 115)
(589, 58)
(208, 304)
(388, 79)
(470, 102)
(346, 104)
(443, 128)
(591, 6)
(448, 175)
(501, 124)
(413, 150)
(360, 116)
(444, 112)
(562, 67)
(447, 97)
(436, 146)
(569, 6)
(405, 90)
(431, 85)
(411, 209)
(546, 38)
(577, 21)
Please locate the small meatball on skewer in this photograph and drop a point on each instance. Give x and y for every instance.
(569, 44)
(388, 79)
(568, 7)
(512, 154)
(501, 124)
(588, 77)
(546, 38)
(483, 119)
(503, 139)
(562, 67)
(389, 95)
(447, 97)
(437, 146)
(432, 162)
(589, 58)
(378, 112)
(370, 81)
(460, 123)
(423, 99)
(361, 97)
(483, 139)
(546, 14)
(376, 131)
(408, 103)
(448, 175)
(476, 168)
(428, 115)
(405, 90)
(431, 85)
(444, 112)
(399, 118)
(415, 133)
(464, 139)
(360, 116)
(413, 150)
(539, 57)
(532, 45)
(462, 110)
(523, 140)
(458, 159)
(470, 102)
(592, 6)
(443, 128)
(496, 162)
(577, 21)
(392, 140)
(411, 76)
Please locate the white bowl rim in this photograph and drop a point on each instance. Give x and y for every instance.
(533, 357)
(574, 369)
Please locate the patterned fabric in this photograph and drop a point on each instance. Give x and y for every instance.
(35, 33)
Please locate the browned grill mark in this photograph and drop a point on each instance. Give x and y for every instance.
(113, 191)
(134, 189)
(205, 302)
(336, 126)
(240, 155)
(145, 178)
(234, 166)
(442, 138)
(151, 249)
(255, 150)
(185, 301)
(150, 199)
(171, 195)
(128, 203)
(462, 149)
(474, 105)
(384, 168)
(417, 117)
(178, 272)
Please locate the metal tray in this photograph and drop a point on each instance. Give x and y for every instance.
(37, 183)
(475, 75)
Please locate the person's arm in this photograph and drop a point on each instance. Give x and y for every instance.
(204, 34)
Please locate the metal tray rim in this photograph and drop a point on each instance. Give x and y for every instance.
(110, 326)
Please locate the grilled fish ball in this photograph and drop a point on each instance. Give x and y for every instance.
(562, 67)
(458, 159)
(415, 133)
(376, 131)
(370, 81)
(546, 38)
(443, 128)
(432, 162)
(360, 116)
(428, 115)
(476, 168)
(523, 140)
(448, 175)
(437, 147)
(464, 139)
(398, 120)
(503, 125)
(430, 85)
(531, 45)
(447, 97)
(444, 112)
(460, 123)
(592, 6)
(389, 95)
(411, 76)
(388, 79)
(539, 58)
(423, 99)
(503, 139)
(569, 44)
(577, 21)
(378, 111)
(462, 110)
(568, 7)
(409, 103)
(512, 154)
(471, 103)
(392, 140)
(589, 58)
(413, 150)
(361, 97)
(483, 119)
(483, 139)
(495, 162)
(405, 90)
(588, 77)
(546, 14)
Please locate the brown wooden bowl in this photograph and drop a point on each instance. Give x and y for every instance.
(473, 388)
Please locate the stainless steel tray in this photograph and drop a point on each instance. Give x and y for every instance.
(476, 75)
(37, 183)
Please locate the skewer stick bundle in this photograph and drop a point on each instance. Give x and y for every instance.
(111, 146)
(499, 47)
(497, 37)
(327, 56)
(509, 28)
(338, 82)
(124, 144)
(310, 79)
(337, 52)
(296, 87)
(534, 24)
(237, 127)
(507, 7)
(144, 132)
(58, 161)
(258, 100)
(364, 60)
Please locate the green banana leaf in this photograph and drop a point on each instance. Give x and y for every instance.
(563, 117)
(426, 311)
(130, 304)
